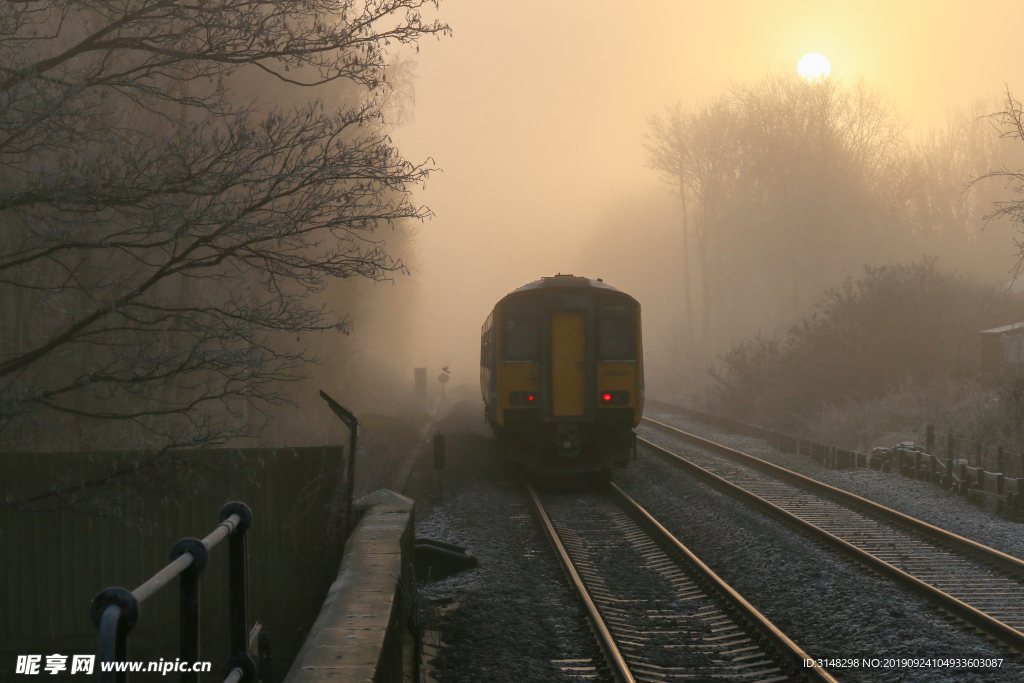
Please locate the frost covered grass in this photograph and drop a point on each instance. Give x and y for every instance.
(962, 407)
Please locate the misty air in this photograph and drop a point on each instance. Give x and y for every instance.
(426, 341)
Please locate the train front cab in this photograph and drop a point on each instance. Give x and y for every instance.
(564, 378)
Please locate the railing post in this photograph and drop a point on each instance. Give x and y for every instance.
(349, 418)
(114, 612)
(929, 439)
(188, 598)
(238, 590)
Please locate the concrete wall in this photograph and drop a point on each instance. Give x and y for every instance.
(362, 631)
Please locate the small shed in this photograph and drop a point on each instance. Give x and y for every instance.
(1002, 347)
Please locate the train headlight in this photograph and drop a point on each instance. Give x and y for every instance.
(523, 398)
(614, 398)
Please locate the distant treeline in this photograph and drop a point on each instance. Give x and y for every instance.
(780, 188)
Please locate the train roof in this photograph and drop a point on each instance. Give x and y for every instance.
(565, 282)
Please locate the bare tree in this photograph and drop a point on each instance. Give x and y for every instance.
(160, 233)
(667, 143)
(1010, 123)
(698, 152)
(819, 178)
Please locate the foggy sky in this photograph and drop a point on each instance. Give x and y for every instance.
(535, 110)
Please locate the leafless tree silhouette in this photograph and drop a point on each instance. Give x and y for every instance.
(159, 232)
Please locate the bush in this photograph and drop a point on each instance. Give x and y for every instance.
(898, 325)
(963, 407)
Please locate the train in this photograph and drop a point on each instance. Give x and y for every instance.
(562, 378)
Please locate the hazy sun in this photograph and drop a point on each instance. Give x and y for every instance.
(813, 66)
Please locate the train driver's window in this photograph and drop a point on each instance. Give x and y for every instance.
(520, 339)
(616, 334)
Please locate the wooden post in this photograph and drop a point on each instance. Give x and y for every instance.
(929, 439)
(999, 460)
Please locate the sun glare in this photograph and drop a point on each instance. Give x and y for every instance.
(813, 66)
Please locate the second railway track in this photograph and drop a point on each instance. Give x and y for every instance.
(659, 614)
(980, 585)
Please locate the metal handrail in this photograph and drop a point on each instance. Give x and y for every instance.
(163, 577)
(115, 611)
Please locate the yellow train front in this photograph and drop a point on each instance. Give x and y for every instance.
(561, 371)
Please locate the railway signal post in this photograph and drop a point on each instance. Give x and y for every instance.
(443, 379)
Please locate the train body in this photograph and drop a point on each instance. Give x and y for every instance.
(561, 372)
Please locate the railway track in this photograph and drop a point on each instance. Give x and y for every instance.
(659, 614)
(978, 584)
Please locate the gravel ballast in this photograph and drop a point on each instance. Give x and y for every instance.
(923, 500)
(829, 605)
(516, 611)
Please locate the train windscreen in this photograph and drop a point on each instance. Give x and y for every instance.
(617, 332)
(520, 339)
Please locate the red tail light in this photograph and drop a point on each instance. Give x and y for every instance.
(522, 398)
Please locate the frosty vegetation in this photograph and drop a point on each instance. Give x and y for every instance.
(779, 191)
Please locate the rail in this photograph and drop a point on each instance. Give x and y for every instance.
(987, 556)
(961, 468)
(780, 640)
(616, 663)
(769, 654)
(115, 611)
